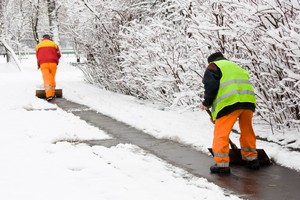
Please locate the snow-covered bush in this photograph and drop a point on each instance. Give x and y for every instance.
(159, 60)
(157, 49)
(263, 36)
(275, 61)
(162, 53)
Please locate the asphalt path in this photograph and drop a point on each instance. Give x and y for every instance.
(269, 183)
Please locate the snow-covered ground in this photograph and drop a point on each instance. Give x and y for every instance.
(35, 166)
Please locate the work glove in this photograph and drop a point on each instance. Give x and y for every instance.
(206, 108)
(203, 107)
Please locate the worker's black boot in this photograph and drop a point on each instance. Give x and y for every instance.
(254, 164)
(219, 170)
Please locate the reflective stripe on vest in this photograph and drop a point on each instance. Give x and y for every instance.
(235, 87)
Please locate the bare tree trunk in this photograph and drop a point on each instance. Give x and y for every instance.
(1, 17)
(76, 51)
(5, 54)
(53, 22)
(35, 20)
(51, 14)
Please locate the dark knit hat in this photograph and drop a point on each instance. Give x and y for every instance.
(47, 36)
(215, 56)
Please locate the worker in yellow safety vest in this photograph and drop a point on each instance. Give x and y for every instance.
(230, 96)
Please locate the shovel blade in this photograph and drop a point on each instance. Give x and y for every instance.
(42, 94)
(236, 157)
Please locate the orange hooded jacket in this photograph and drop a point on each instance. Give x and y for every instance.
(47, 51)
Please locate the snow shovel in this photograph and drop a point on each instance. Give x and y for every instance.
(236, 156)
(42, 94)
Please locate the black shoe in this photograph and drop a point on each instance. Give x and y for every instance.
(49, 98)
(254, 164)
(219, 170)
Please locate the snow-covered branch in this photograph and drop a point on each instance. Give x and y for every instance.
(11, 51)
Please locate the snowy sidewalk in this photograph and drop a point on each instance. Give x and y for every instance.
(37, 167)
(262, 184)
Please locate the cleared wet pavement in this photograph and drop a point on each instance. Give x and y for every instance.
(271, 182)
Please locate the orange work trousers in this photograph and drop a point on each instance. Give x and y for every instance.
(223, 127)
(48, 71)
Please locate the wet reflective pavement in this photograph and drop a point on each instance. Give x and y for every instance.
(269, 183)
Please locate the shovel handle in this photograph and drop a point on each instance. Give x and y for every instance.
(209, 113)
(233, 146)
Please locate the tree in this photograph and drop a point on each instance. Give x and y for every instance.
(10, 37)
(157, 49)
(34, 18)
(53, 19)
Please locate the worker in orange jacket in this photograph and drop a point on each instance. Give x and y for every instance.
(48, 55)
(230, 95)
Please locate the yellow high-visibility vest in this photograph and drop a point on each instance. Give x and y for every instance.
(235, 86)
